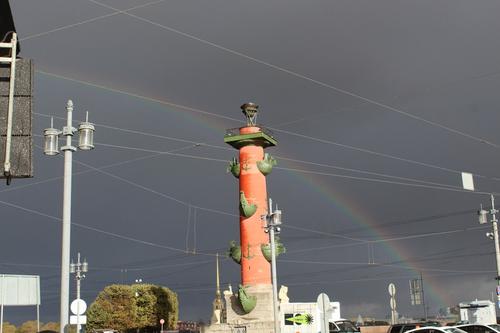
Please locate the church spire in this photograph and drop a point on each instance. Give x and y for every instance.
(217, 292)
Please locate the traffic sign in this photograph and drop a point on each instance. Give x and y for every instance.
(78, 306)
(393, 303)
(162, 321)
(323, 303)
(82, 320)
(392, 289)
(324, 307)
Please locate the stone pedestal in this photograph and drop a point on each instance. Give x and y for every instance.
(259, 320)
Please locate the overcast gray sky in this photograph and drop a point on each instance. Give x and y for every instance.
(405, 90)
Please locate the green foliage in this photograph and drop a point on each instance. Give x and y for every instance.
(8, 327)
(167, 306)
(30, 326)
(127, 308)
(50, 326)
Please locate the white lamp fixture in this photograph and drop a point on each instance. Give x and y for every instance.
(482, 215)
(51, 135)
(86, 135)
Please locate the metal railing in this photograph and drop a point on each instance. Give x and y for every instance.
(236, 131)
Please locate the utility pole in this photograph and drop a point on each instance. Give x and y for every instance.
(483, 219)
(417, 293)
(78, 269)
(273, 219)
(51, 148)
(423, 295)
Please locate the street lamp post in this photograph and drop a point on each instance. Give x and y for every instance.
(273, 219)
(78, 269)
(483, 219)
(51, 148)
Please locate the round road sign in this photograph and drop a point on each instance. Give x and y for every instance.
(162, 321)
(392, 289)
(78, 306)
(393, 303)
(323, 303)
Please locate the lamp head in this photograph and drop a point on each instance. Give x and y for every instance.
(276, 217)
(51, 141)
(482, 216)
(86, 135)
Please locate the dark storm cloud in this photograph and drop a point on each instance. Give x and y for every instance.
(436, 61)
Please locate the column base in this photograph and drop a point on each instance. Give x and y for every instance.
(259, 320)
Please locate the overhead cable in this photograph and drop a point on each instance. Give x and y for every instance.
(307, 78)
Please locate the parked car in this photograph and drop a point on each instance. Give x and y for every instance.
(402, 328)
(343, 326)
(478, 328)
(434, 329)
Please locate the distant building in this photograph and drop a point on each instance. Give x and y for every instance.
(188, 327)
(219, 308)
(478, 312)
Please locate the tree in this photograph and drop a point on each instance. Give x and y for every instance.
(167, 306)
(50, 326)
(8, 327)
(113, 308)
(30, 326)
(126, 308)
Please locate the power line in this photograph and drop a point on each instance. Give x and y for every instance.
(115, 12)
(184, 251)
(350, 263)
(307, 78)
(329, 142)
(362, 171)
(299, 228)
(436, 186)
(277, 156)
(388, 278)
(149, 134)
(371, 152)
(150, 99)
(108, 233)
(392, 239)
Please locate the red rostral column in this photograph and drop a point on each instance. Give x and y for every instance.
(252, 168)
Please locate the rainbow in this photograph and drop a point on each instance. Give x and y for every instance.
(339, 201)
(356, 214)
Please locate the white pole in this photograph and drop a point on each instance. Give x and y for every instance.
(66, 224)
(497, 247)
(10, 108)
(273, 269)
(78, 276)
(1, 305)
(38, 317)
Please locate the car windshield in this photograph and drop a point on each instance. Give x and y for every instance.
(346, 326)
(495, 327)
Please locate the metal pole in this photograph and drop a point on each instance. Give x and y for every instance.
(1, 305)
(38, 317)
(66, 223)
(423, 295)
(273, 268)
(497, 247)
(78, 277)
(10, 108)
